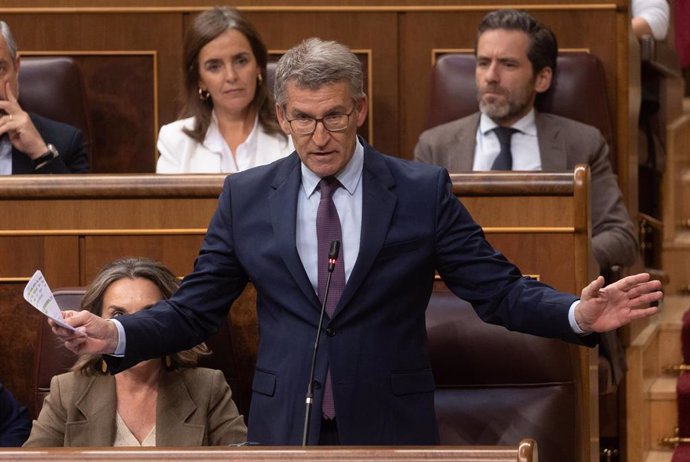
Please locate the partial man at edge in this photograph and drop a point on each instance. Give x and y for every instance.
(30, 143)
(15, 423)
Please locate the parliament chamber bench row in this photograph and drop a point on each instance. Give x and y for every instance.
(494, 387)
(54, 87)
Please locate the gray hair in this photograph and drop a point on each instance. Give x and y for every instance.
(315, 63)
(9, 39)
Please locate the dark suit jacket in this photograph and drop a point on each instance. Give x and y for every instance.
(68, 141)
(376, 341)
(15, 423)
(194, 408)
(563, 143)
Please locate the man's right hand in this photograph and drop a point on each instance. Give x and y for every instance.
(101, 335)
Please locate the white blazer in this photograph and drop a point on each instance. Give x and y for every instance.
(179, 153)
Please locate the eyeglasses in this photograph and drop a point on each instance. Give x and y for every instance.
(305, 125)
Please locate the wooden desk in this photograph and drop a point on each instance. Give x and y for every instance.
(70, 226)
(526, 451)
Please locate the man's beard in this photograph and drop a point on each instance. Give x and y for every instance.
(511, 105)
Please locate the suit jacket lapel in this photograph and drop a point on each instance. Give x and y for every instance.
(97, 403)
(171, 426)
(466, 145)
(378, 205)
(551, 147)
(283, 205)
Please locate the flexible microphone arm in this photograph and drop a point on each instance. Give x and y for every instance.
(332, 259)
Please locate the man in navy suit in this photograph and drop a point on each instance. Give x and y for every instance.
(15, 423)
(30, 143)
(400, 223)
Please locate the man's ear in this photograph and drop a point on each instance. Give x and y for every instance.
(284, 124)
(362, 110)
(542, 82)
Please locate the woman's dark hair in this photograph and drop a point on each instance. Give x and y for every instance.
(206, 27)
(132, 268)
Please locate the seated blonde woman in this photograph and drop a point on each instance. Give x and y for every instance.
(161, 402)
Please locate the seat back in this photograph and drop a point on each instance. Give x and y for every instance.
(495, 387)
(54, 358)
(53, 86)
(578, 92)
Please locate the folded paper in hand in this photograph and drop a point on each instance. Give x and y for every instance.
(39, 295)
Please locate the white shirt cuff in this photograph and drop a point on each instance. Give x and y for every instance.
(573, 323)
(121, 339)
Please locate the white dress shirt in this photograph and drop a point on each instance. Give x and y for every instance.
(179, 153)
(5, 155)
(348, 203)
(524, 144)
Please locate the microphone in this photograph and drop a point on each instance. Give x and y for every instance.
(332, 259)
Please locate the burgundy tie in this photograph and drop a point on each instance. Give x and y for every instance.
(327, 231)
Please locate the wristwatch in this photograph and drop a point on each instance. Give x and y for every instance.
(42, 160)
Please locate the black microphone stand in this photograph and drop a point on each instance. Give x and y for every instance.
(332, 258)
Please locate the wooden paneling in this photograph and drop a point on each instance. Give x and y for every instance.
(399, 34)
(178, 252)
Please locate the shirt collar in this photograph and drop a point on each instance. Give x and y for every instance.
(214, 140)
(349, 177)
(526, 125)
(5, 155)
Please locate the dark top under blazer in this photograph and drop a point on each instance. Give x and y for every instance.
(15, 423)
(383, 385)
(68, 141)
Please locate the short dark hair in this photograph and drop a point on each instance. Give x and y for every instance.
(543, 46)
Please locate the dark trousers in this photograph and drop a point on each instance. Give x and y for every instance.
(329, 433)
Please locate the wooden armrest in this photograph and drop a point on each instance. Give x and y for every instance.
(660, 56)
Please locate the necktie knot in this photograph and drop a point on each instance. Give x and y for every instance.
(504, 134)
(504, 161)
(327, 186)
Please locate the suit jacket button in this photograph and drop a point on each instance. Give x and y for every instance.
(330, 332)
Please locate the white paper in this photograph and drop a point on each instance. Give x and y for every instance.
(38, 294)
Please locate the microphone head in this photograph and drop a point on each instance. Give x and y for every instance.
(335, 249)
(333, 255)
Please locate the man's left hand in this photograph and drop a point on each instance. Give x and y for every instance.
(602, 309)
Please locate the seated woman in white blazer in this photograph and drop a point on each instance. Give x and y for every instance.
(229, 121)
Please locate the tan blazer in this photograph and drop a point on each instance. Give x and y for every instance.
(563, 143)
(194, 408)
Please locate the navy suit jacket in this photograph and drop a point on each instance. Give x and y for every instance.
(15, 423)
(68, 141)
(376, 341)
